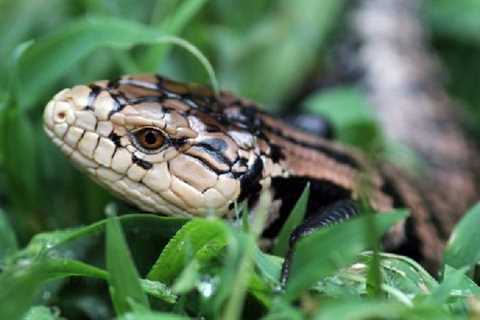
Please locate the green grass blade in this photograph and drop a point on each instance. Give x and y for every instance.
(8, 241)
(164, 226)
(158, 290)
(123, 280)
(234, 307)
(173, 23)
(294, 219)
(20, 164)
(325, 251)
(463, 246)
(194, 51)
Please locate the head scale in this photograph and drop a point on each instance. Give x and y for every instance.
(160, 145)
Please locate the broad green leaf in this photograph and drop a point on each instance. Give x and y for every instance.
(268, 59)
(269, 266)
(151, 316)
(355, 309)
(462, 247)
(164, 226)
(20, 281)
(405, 274)
(199, 238)
(293, 220)
(53, 56)
(123, 277)
(458, 19)
(466, 287)
(455, 284)
(281, 310)
(350, 113)
(343, 106)
(41, 313)
(327, 250)
(8, 241)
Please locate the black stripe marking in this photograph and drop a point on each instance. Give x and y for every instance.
(338, 156)
(120, 103)
(250, 180)
(218, 155)
(142, 163)
(208, 165)
(92, 96)
(115, 139)
(250, 119)
(134, 101)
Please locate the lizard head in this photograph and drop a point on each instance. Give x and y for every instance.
(157, 144)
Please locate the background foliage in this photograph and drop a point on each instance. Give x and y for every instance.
(284, 54)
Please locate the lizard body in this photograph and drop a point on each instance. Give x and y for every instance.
(179, 149)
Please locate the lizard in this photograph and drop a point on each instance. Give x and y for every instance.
(180, 149)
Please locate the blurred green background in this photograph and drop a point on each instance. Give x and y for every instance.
(283, 54)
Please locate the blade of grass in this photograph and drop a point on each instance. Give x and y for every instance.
(8, 241)
(293, 220)
(462, 247)
(374, 276)
(123, 277)
(194, 51)
(244, 272)
(172, 23)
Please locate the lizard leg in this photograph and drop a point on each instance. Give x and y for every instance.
(313, 124)
(340, 211)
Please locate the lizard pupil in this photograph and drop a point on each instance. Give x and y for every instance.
(150, 138)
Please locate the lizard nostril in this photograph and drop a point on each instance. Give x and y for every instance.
(63, 112)
(61, 115)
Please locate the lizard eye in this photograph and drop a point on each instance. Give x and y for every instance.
(149, 138)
